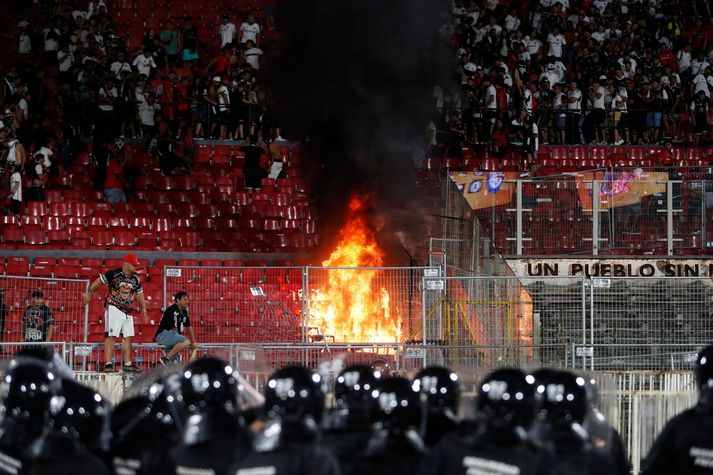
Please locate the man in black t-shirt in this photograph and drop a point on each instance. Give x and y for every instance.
(123, 285)
(37, 322)
(170, 329)
(699, 116)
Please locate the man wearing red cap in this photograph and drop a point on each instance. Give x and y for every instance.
(123, 285)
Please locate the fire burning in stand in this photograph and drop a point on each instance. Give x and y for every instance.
(351, 307)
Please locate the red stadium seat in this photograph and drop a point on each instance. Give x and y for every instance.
(579, 153)
(37, 208)
(599, 153)
(26, 220)
(58, 236)
(66, 271)
(559, 153)
(45, 261)
(38, 270)
(9, 220)
(124, 239)
(182, 223)
(102, 238)
(59, 209)
(17, 265)
(53, 195)
(12, 235)
(35, 236)
(161, 224)
(205, 224)
(96, 222)
(82, 209)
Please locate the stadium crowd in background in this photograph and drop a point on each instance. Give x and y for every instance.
(586, 72)
(74, 79)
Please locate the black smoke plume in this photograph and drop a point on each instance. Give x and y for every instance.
(356, 77)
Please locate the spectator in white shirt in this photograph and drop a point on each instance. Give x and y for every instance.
(550, 74)
(144, 63)
(120, 65)
(51, 36)
(252, 55)
(223, 94)
(533, 45)
(65, 58)
(627, 59)
(703, 82)
(250, 30)
(25, 42)
(15, 194)
(512, 22)
(556, 42)
(227, 32)
(595, 118)
(574, 113)
(684, 59)
(147, 112)
(699, 64)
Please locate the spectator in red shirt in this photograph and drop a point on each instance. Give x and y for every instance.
(499, 139)
(666, 56)
(114, 184)
(221, 64)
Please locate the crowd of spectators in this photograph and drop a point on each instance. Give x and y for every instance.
(72, 76)
(534, 72)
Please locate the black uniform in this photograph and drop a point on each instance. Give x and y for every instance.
(608, 442)
(389, 454)
(119, 283)
(215, 456)
(36, 321)
(684, 446)
(67, 457)
(292, 455)
(174, 318)
(347, 428)
(456, 455)
(27, 389)
(141, 437)
(567, 454)
(3, 316)
(348, 445)
(215, 437)
(396, 445)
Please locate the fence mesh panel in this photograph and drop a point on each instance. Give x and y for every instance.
(377, 304)
(642, 323)
(240, 304)
(64, 298)
(498, 321)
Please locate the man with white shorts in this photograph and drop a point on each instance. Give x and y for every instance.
(123, 285)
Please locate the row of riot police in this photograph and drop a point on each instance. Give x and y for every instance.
(204, 419)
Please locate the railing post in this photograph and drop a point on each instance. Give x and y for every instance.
(595, 217)
(518, 218)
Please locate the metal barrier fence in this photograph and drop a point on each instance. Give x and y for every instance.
(301, 304)
(590, 324)
(639, 404)
(660, 211)
(240, 304)
(60, 314)
(496, 321)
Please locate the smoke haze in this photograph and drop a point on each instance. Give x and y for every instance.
(356, 77)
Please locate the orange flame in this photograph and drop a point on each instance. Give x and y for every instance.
(351, 307)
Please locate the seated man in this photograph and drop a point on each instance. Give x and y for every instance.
(170, 329)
